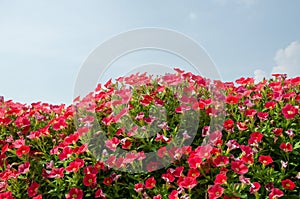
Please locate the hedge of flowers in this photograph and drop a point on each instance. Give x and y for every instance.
(213, 139)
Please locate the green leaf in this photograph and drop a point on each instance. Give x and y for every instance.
(297, 145)
(240, 195)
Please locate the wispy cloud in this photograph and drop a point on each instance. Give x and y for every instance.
(288, 60)
(259, 75)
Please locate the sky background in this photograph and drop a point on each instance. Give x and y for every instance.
(44, 43)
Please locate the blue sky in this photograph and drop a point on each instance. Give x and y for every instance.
(44, 43)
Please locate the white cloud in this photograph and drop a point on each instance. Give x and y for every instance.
(259, 75)
(288, 60)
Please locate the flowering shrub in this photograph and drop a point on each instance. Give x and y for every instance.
(251, 152)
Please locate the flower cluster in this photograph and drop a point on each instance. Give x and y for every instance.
(194, 137)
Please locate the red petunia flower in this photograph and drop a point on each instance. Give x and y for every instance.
(107, 181)
(71, 138)
(276, 193)
(22, 122)
(173, 195)
(244, 180)
(126, 144)
(228, 124)
(33, 189)
(82, 130)
(270, 105)
(263, 115)
(221, 179)
(204, 151)
(232, 144)
(120, 162)
(23, 150)
(239, 167)
(286, 147)
(255, 138)
(99, 165)
(216, 151)
(56, 173)
(214, 137)
(162, 138)
(245, 81)
(221, 161)
(108, 120)
(108, 83)
(248, 158)
(75, 193)
(289, 111)
(157, 197)
(277, 131)
(250, 112)
(183, 108)
(266, 160)
(34, 135)
(111, 161)
(215, 191)
(168, 177)
(150, 183)
(194, 173)
(3, 186)
(99, 194)
(139, 187)
(59, 124)
(255, 186)
(176, 172)
(89, 179)
(74, 166)
(5, 121)
(90, 170)
(194, 161)
(242, 126)
(4, 148)
(146, 100)
(24, 168)
(162, 151)
(81, 161)
(153, 166)
(256, 96)
(298, 97)
(130, 157)
(112, 144)
(6, 195)
(246, 149)
(66, 153)
(188, 182)
(232, 99)
(38, 197)
(205, 131)
(288, 184)
(123, 112)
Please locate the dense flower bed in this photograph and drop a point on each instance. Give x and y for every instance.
(212, 140)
